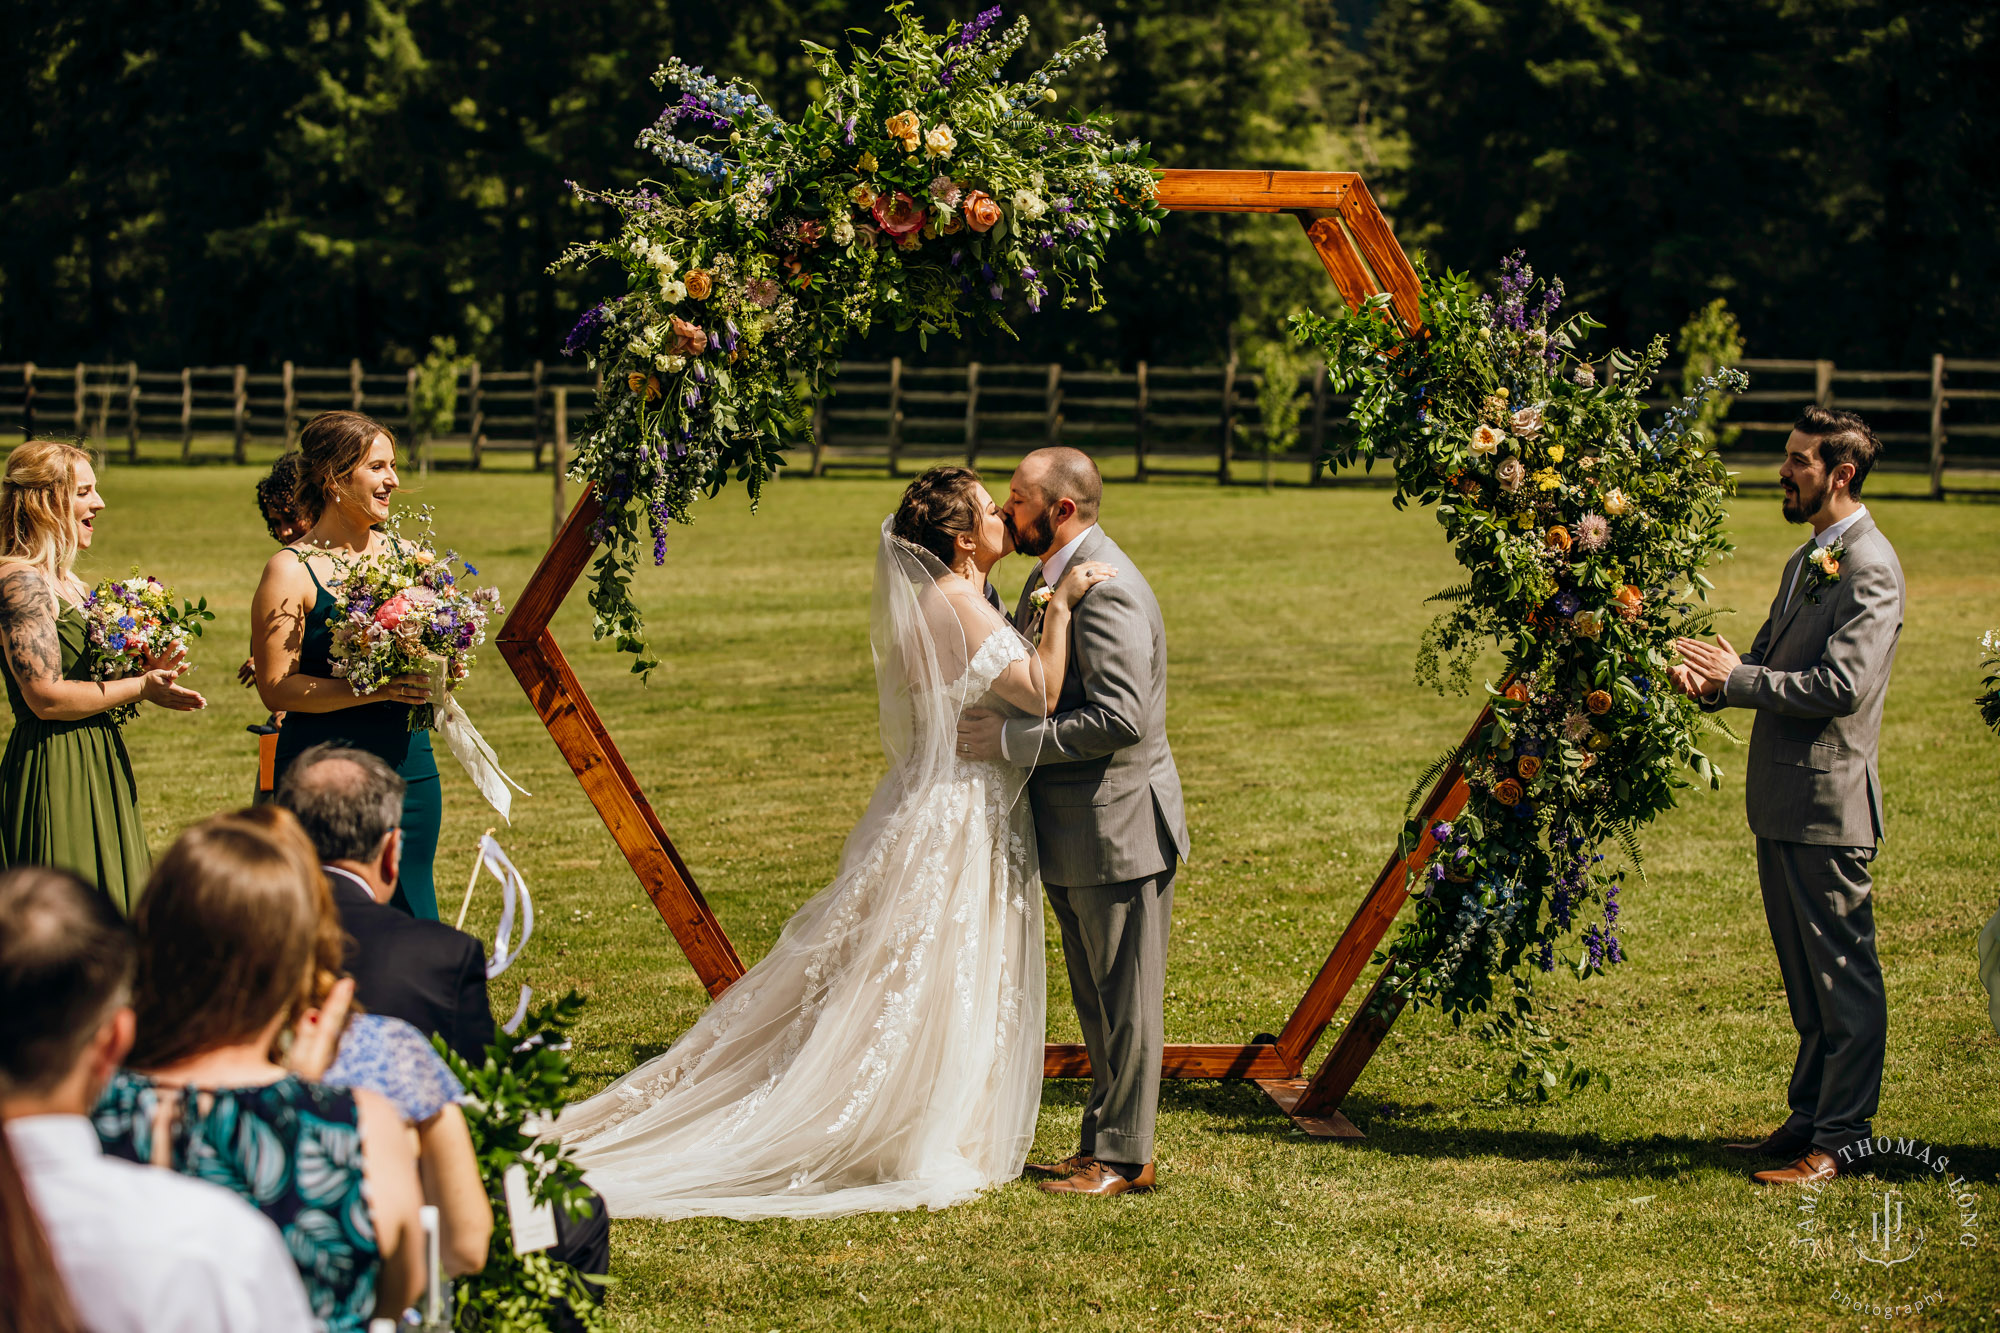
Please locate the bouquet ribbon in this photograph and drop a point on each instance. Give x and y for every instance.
(474, 755)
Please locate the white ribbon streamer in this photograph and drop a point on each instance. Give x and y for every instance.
(505, 950)
(474, 755)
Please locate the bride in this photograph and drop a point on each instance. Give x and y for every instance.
(887, 1053)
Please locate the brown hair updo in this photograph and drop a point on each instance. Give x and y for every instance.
(237, 927)
(38, 506)
(937, 507)
(331, 446)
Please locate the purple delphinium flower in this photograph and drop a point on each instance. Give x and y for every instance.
(586, 328)
(847, 132)
(964, 38)
(1546, 961)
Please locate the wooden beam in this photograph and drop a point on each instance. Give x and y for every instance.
(1253, 191)
(1258, 1060)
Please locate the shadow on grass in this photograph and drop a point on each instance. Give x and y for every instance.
(1242, 1109)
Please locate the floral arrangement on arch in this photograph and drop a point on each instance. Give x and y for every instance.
(922, 188)
(1584, 536)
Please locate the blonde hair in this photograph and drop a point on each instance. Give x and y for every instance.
(38, 524)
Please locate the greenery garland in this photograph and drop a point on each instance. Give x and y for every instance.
(1584, 537)
(920, 188)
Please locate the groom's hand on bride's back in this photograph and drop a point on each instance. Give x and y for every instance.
(979, 735)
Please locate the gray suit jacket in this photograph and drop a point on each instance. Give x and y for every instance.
(1106, 794)
(1817, 674)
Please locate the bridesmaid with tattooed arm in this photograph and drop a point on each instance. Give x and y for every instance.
(67, 797)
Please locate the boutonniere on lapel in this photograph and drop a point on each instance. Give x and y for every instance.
(1039, 599)
(1824, 569)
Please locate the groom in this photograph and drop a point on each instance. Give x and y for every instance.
(1816, 677)
(1108, 813)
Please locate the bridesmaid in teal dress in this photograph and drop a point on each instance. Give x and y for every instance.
(347, 479)
(67, 796)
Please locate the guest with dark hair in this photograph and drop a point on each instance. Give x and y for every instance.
(116, 1246)
(347, 480)
(350, 803)
(238, 941)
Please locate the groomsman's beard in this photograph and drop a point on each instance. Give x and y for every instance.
(1798, 510)
(1037, 538)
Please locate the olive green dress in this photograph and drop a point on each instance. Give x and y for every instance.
(67, 797)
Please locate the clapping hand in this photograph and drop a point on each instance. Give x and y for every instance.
(162, 686)
(1706, 666)
(316, 1036)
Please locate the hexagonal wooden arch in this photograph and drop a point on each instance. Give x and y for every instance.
(1361, 255)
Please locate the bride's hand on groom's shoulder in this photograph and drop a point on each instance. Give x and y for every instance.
(1080, 580)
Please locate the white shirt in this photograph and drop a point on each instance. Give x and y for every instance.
(1834, 532)
(144, 1249)
(1056, 563)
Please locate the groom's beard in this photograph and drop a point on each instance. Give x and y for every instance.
(1798, 509)
(1036, 538)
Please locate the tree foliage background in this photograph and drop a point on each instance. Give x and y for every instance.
(250, 180)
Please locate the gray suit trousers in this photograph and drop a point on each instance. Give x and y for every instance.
(1114, 939)
(1821, 912)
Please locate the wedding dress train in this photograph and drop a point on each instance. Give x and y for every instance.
(887, 1053)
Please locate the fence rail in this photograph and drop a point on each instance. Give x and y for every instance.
(896, 415)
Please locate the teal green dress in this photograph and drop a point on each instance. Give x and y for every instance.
(382, 729)
(292, 1149)
(67, 796)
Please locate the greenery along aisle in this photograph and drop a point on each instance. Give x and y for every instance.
(1585, 537)
(921, 188)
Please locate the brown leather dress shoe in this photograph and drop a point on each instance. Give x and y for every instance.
(1101, 1179)
(1062, 1170)
(1810, 1169)
(1780, 1143)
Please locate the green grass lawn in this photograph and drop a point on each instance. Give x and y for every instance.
(1293, 617)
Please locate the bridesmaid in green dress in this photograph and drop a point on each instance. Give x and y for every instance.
(347, 477)
(67, 797)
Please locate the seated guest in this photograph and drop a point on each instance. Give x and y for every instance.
(237, 941)
(350, 804)
(118, 1246)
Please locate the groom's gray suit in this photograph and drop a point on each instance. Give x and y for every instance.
(1817, 674)
(1111, 826)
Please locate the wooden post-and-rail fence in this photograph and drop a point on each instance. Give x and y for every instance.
(900, 417)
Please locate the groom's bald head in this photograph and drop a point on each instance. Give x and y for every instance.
(1061, 473)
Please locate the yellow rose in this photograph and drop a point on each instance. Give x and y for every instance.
(940, 141)
(867, 162)
(1615, 503)
(863, 195)
(903, 126)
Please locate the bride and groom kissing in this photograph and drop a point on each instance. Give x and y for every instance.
(886, 1054)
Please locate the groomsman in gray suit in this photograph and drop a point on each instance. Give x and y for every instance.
(1108, 813)
(1816, 675)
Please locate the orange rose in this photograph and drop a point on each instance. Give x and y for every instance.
(981, 212)
(1518, 692)
(1628, 601)
(698, 284)
(1508, 792)
(1557, 538)
(688, 340)
(1527, 766)
(1597, 701)
(903, 126)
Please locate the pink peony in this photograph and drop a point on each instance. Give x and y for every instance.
(898, 214)
(390, 614)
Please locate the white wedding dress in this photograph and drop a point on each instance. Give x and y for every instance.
(887, 1053)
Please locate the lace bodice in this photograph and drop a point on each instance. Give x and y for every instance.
(1000, 650)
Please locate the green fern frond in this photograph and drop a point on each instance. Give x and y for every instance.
(1454, 594)
(1627, 834)
(1434, 770)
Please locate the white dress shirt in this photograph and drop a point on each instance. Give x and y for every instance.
(144, 1249)
(1056, 563)
(1834, 532)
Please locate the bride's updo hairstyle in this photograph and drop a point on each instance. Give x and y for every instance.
(331, 446)
(38, 506)
(938, 507)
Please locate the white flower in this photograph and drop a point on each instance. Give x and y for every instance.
(940, 141)
(1040, 596)
(673, 289)
(1486, 440)
(1615, 503)
(1029, 205)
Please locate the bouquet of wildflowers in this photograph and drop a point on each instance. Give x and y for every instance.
(1988, 698)
(923, 188)
(130, 621)
(404, 612)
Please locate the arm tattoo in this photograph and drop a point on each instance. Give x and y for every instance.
(28, 624)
